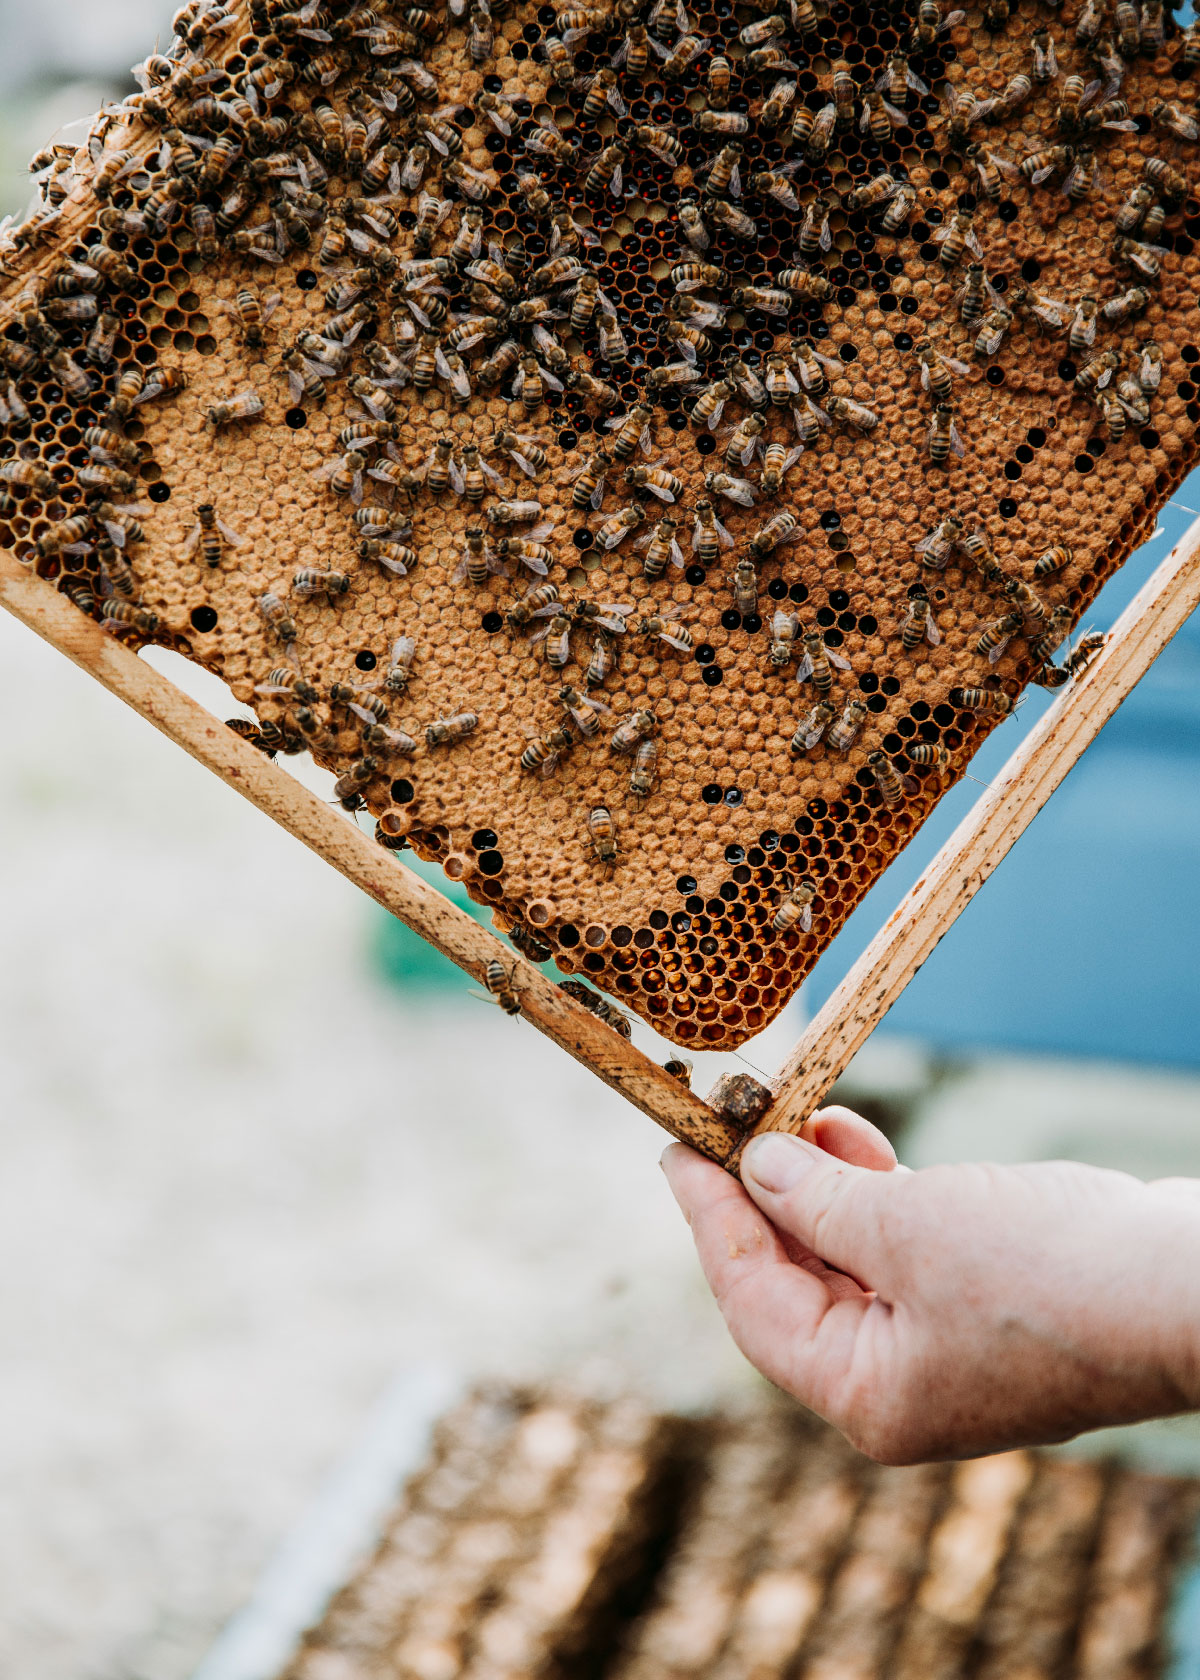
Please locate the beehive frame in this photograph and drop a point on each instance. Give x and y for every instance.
(914, 540)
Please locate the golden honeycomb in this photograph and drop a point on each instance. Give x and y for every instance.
(395, 183)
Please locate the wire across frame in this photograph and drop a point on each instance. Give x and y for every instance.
(853, 1011)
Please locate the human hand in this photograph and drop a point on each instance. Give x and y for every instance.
(954, 1311)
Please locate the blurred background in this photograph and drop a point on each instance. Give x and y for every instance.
(250, 1185)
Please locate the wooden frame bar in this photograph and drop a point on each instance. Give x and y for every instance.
(868, 991)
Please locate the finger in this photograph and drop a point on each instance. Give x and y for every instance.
(786, 1318)
(832, 1207)
(841, 1132)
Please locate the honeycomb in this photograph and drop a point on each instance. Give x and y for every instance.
(307, 319)
(559, 1538)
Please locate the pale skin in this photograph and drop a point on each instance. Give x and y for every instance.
(954, 1311)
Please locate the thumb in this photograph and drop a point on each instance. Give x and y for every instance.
(829, 1205)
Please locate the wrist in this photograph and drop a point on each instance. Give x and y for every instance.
(1172, 1281)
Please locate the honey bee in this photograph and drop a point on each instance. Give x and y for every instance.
(710, 404)
(26, 476)
(394, 557)
(524, 452)
(811, 728)
(806, 287)
(243, 405)
(1170, 182)
(892, 784)
(1127, 305)
(1146, 260)
(944, 435)
(619, 526)
(1042, 646)
(102, 338)
(782, 528)
(743, 440)
(122, 616)
(309, 581)
(853, 413)
(277, 617)
(795, 910)
(209, 533)
(67, 535)
(478, 562)
(843, 734)
(717, 82)
(814, 232)
(588, 491)
(603, 835)
(897, 82)
(991, 331)
(523, 612)
(516, 513)
(778, 461)
(558, 57)
(781, 382)
(919, 624)
(937, 370)
(738, 490)
(599, 1007)
(709, 536)
(997, 635)
(285, 680)
(1149, 371)
(818, 663)
(1041, 164)
(541, 756)
(657, 480)
(982, 701)
(956, 237)
(1097, 373)
(743, 581)
(732, 221)
(606, 173)
(1089, 647)
(783, 636)
(584, 710)
(632, 731)
(534, 556)
(668, 626)
(449, 731)
(661, 547)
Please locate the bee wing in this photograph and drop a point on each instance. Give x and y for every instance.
(932, 634)
(193, 540)
(956, 442)
(1040, 175)
(714, 418)
(740, 490)
(550, 379)
(783, 625)
(457, 482)
(804, 670)
(681, 643)
(997, 653)
(836, 660)
(596, 499)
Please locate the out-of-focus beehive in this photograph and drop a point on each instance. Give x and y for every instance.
(550, 1537)
(349, 161)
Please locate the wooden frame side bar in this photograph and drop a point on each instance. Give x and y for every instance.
(378, 873)
(994, 824)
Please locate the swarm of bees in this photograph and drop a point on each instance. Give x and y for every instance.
(332, 149)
